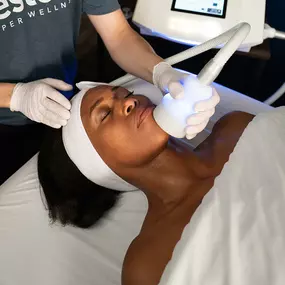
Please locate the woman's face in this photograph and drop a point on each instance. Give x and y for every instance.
(121, 127)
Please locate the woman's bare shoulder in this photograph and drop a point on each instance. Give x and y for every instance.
(230, 128)
(232, 124)
(224, 137)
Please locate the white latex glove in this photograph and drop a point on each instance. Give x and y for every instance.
(197, 122)
(167, 79)
(41, 102)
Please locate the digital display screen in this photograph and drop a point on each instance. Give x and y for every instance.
(214, 8)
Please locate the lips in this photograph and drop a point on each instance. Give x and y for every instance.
(143, 114)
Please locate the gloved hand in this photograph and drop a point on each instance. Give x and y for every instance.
(167, 79)
(197, 122)
(41, 102)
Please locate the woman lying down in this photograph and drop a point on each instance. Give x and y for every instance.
(113, 141)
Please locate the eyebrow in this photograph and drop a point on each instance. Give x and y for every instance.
(98, 101)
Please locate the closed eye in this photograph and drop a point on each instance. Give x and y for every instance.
(105, 115)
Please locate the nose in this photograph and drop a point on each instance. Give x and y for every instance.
(129, 105)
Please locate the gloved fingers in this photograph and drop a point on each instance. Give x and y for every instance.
(201, 117)
(56, 108)
(50, 123)
(36, 114)
(53, 120)
(59, 98)
(191, 130)
(176, 89)
(181, 76)
(190, 137)
(211, 103)
(57, 84)
(184, 75)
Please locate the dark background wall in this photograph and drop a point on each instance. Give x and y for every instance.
(274, 74)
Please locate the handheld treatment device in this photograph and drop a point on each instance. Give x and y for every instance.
(227, 24)
(171, 114)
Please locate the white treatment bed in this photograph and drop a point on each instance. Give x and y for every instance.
(34, 252)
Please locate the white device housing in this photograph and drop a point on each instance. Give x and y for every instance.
(157, 18)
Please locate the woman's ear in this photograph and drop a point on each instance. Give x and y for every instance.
(89, 84)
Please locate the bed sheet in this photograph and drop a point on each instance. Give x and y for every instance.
(237, 235)
(32, 251)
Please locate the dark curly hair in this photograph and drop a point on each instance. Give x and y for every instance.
(71, 198)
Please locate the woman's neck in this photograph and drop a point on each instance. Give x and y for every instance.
(168, 178)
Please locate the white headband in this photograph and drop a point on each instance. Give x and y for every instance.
(82, 153)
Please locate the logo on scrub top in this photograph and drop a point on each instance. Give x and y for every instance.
(7, 7)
